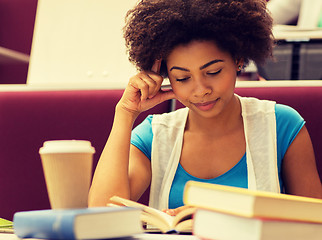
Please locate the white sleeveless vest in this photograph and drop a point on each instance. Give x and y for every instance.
(260, 135)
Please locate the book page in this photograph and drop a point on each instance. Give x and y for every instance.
(151, 215)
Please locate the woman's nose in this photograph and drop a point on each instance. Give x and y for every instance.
(201, 88)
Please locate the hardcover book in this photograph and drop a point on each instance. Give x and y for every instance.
(210, 224)
(244, 202)
(86, 223)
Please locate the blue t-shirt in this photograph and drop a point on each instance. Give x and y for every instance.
(288, 124)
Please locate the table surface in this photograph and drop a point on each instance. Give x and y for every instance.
(6, 236)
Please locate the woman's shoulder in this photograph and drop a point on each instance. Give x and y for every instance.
(173, 118)
(288, 119)
(286, 112)
(162, 118)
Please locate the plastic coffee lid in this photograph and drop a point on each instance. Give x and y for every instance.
(67, 146)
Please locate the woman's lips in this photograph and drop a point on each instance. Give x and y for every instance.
(206, 106)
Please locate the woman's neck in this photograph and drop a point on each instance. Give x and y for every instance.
(228, 120)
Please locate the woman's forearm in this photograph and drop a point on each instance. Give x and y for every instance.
(111, 174)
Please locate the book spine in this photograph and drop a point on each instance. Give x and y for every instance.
(44, 226)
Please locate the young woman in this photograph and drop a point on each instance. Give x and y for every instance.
(219, 137)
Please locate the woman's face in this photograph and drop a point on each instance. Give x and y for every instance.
(202, 77)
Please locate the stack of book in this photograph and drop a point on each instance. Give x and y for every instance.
(235, 213)
(212, 212)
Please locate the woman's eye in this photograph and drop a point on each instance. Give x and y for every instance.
(182, 79)
(214, 73)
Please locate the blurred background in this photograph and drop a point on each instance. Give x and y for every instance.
(68, 42)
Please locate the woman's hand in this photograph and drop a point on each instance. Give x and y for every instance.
(174, 212)
(144, 91)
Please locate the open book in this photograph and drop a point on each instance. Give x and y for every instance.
(158, 220)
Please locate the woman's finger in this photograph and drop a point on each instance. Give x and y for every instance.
(147, 86)
(156, 66)
(175, 211)
(149, 83)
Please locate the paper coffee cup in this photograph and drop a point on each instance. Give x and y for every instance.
(67, 166)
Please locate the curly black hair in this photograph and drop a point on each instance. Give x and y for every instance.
(154, 28)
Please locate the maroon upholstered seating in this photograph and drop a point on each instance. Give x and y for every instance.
(27, 119)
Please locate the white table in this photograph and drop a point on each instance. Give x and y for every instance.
(5, 236)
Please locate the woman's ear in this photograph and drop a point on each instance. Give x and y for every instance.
(239, 64)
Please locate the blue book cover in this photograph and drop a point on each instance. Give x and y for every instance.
(87, 223)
